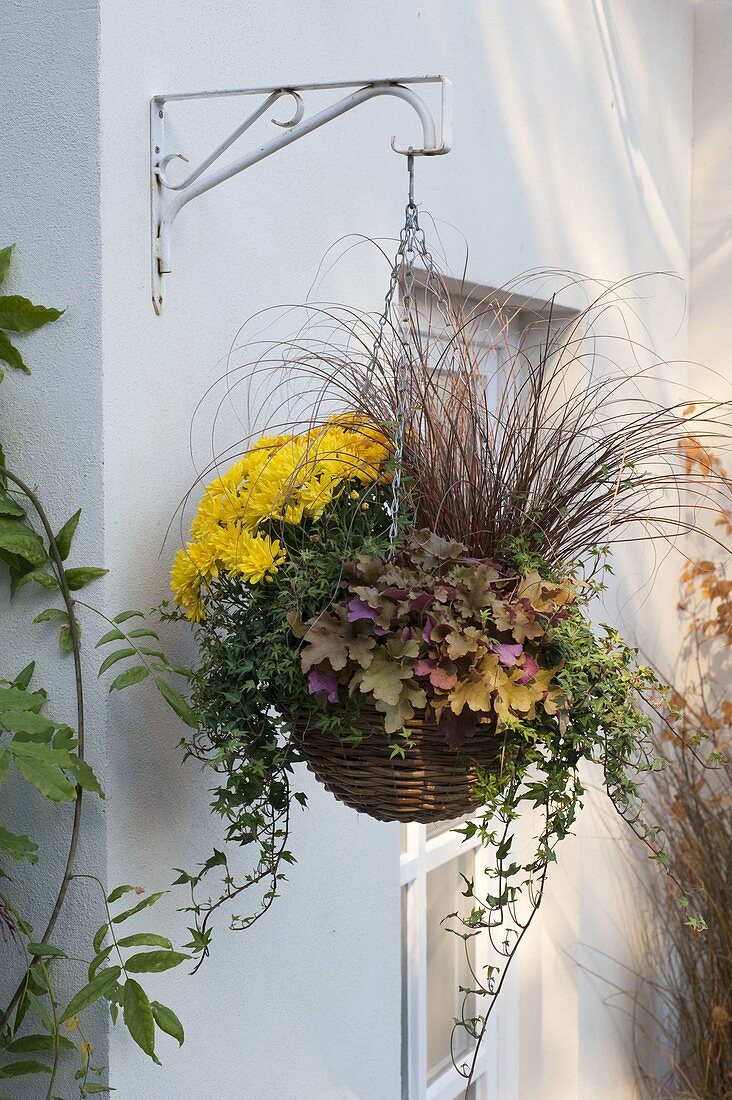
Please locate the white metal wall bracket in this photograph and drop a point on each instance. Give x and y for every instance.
(168, 198)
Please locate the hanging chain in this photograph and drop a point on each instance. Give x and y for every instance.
(412, 244)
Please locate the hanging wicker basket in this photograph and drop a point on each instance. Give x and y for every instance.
(432, 782)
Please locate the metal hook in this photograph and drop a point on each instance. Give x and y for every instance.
(299, 111)
(410, 171)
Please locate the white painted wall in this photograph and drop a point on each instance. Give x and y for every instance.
(573, 125)
(52, 422)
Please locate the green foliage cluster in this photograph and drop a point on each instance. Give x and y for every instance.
(245, 689)
(41, 1027)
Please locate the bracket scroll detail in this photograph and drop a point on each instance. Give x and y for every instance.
(168, 198)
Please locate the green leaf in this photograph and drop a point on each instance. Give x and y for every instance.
(18, 314)
(4, 764)
(8, 505)
(167, 1021)
(9, 354)
(93, 1087)
(29, 1044)
(85, 777)
(99, 987)
(14, 698)
(143, 632)
(118, 655)
(6, 254)
(65, 638)
(18, 846)
(125, 615)
(175, 700)
(130, 676)
(145, 939)
(36, 726)
(99, 938)
(39, 765)
(83, 575)
(23, 1069)
(154, 962)
(117, 894)
(46, 950)
(25, 676)
(99, 958)
(19, 539)
(51, 613)
(138, 1016)
(41, 576)
(66, 534)
(114, 635)
(149, 900)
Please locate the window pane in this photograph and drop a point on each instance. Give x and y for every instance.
(447, 965)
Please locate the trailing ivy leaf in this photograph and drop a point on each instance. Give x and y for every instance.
(130, 676)
(6, 254)
(29, 1044)
(18, 314)
(149, 900)
(24, 677)
(118, 655)
(99, 987)
(138, 1016)
(21, 540)
(154, 962)
(23, 1069)
(145, 939)
(79, 577)
(114, 635)
(175, 700)
(40, 765)
(167, 1021)
(16, 845)
(9, 354)
(66, 534)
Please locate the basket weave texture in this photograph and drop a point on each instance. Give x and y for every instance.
(431, 783)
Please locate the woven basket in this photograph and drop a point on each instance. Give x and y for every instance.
(431, 783)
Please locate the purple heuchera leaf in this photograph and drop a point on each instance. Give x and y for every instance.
(424, 667)
(530, 668)
(421, 602)
(359, 609)
(394, 593)
(427, 630)
(508, 654)
(458, 728)
(322, 683)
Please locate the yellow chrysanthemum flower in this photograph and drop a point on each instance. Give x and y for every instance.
(284, 478)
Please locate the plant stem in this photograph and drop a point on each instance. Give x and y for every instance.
(76, 649)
